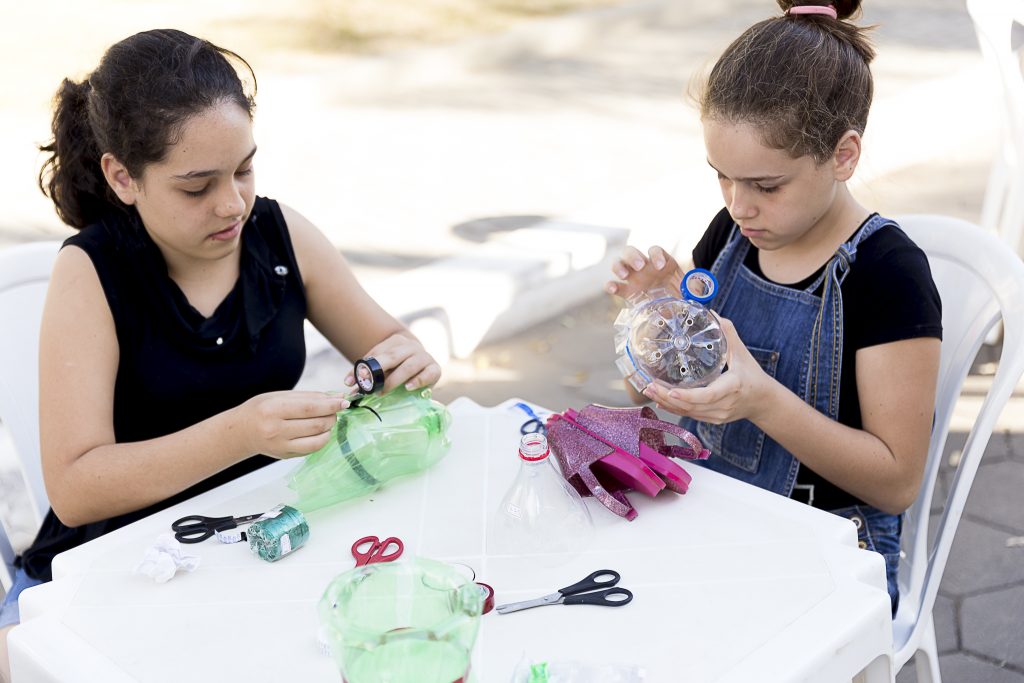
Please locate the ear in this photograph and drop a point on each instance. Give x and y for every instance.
(120, 181)
(846, 155)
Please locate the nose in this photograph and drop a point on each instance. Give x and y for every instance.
(740, 202)
(230, 203)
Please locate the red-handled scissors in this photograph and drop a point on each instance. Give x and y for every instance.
(376, 550)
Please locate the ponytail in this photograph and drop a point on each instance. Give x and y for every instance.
(841, 27)
(71, 177)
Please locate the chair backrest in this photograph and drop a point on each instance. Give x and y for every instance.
(981, 281)
(1003, 206)
(24, 276)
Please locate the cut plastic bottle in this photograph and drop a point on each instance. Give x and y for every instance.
(377, 439)
(541, 513)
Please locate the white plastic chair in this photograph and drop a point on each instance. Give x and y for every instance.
(1003, 206)
(24, 276)
(981, 281)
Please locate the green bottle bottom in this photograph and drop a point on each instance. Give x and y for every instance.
(408, 661)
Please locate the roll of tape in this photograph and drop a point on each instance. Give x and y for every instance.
(280, 531)
(488, 594)
(369, 375)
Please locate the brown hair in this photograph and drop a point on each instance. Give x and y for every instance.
(802, 79)
(134, 106)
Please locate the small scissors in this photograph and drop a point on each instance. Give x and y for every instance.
(197, 528)
(534, 425)
(581, 593)
(377, 550)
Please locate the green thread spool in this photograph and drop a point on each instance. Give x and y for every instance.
(278, 532)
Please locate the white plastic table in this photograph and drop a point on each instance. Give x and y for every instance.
(731, 583)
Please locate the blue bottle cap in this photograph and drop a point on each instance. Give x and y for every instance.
(699, 285)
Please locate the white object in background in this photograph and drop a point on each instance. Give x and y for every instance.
(1003, 206)
(981, 281)
(24, 276)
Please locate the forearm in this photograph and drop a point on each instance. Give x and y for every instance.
(853, 459)
(113, 479)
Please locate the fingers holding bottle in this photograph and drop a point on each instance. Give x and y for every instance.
(637, 272)
(286, 424)
(402, 360)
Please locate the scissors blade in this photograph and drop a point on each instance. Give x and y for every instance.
(552, 599)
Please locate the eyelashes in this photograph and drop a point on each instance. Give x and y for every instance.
(200, 192)
(760, 188)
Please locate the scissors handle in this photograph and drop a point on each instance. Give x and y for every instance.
(609, 597)
(377, 551)
(198, 528)
(602, 578)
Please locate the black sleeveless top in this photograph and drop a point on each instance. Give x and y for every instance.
(177, 368)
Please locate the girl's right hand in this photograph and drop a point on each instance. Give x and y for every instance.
(285, 424)
(638, 272)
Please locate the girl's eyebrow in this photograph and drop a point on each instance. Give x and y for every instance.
(755, 179)
(192, 175)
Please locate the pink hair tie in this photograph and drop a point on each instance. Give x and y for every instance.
(830, 10)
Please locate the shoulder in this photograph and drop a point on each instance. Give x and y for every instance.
(303, 233)
(313, 252)
(105, 247)
(889, 293)
(714, 240)
(889, 255)
(102, 237)
(79, 282)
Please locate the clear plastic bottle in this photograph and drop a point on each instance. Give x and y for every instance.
(541, 513)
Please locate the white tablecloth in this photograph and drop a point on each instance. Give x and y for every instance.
(731, 583)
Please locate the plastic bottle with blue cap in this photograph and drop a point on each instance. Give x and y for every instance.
(676, 341)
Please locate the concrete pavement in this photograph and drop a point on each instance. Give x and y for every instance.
(486, 184)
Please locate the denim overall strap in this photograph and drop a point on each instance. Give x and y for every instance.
(826, 356)
(796, 337)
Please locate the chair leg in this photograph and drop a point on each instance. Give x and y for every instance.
(926, 659)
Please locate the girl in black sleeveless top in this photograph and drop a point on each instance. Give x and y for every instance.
(172, 335)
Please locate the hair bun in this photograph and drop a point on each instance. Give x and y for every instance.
(845, 9)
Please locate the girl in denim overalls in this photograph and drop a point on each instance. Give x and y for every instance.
(783, 110)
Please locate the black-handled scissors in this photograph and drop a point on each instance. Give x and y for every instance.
(197, 528)
(535, 425)
(595, 589)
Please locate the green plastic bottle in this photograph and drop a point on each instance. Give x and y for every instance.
(378, 438)
(413, 621)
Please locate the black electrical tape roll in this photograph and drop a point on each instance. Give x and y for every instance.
(369, 375)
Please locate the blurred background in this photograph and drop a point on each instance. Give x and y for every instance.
(481, 162)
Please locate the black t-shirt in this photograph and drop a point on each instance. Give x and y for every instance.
(177, 367)
(888, 295)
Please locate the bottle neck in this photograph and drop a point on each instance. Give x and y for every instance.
(533, 448)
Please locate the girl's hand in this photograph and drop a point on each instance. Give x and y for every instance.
(740, 393)
(285, 424)
(404, 361)
(638, 272)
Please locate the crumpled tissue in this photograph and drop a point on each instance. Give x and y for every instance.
(164, 558)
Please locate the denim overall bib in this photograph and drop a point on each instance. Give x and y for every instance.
(797, 338)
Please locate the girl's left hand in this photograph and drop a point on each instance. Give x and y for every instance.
(404, 361)
(739, 393)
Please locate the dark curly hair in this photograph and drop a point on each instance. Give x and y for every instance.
(133, 106)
